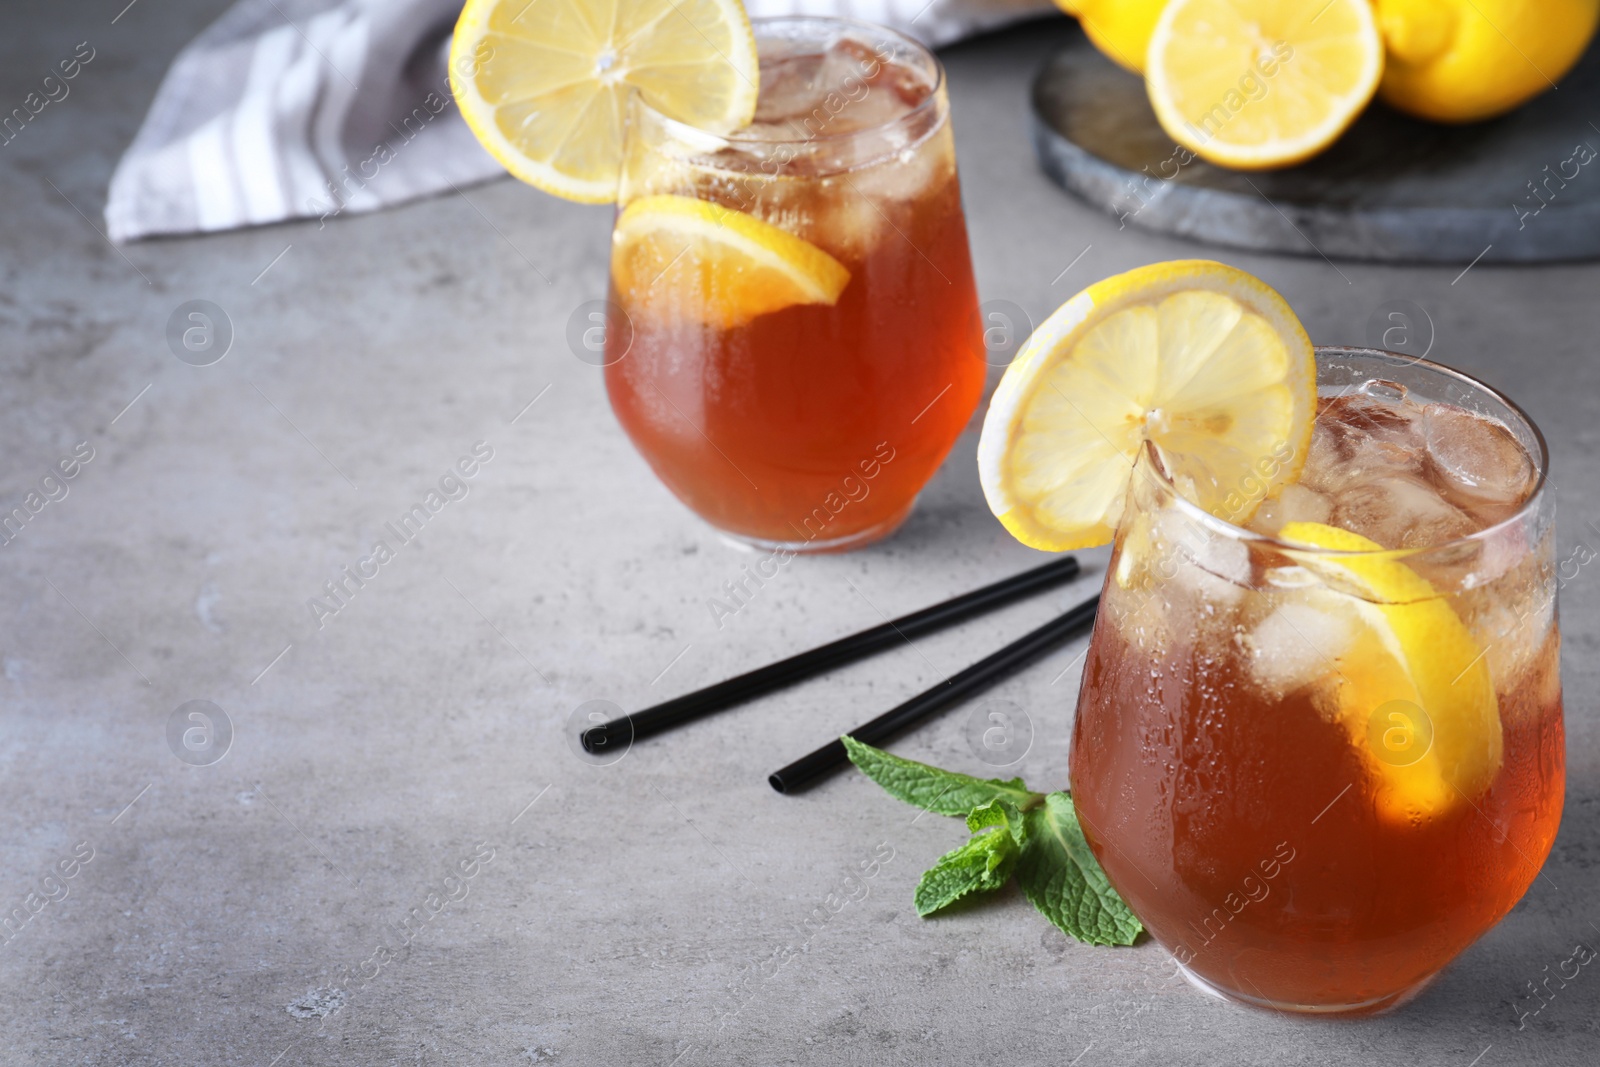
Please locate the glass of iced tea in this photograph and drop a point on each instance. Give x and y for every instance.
(1322, 753)
(793, 341)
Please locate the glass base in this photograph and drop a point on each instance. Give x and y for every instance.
(859, 539)
(1376, 1006)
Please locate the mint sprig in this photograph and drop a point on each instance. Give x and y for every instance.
(1015, 831)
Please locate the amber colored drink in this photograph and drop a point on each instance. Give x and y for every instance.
(1244, 822)
(813, 426)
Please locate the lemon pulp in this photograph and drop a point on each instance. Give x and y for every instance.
(1254, 84)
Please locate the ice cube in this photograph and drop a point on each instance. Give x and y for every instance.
(1300, 642)
(846, 221)
(865, 185)
(910, 173)
(1295, 503)
(1194, 569)
(1139, 617)
(1511, 620)
(1218, 584)
(1357, 437)
(1366, 413)
(844, 89)
(851, 213)
(788, 86)
(892, 88)
(1399, 512)
(1175, 568)
(1216, 553)
(1511, 658)
(1475, 459)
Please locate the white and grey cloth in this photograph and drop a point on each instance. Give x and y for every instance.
(313, 108)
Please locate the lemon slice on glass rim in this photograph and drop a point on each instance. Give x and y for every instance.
(1198, 358)
(544, 84)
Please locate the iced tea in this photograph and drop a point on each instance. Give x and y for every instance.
(1313, 791)
(814, 425)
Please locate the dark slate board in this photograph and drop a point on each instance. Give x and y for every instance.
(1393, 188)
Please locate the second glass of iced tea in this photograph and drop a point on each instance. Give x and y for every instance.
(1319, 774)
(811, 426)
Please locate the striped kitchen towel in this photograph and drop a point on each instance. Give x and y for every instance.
(288, 109)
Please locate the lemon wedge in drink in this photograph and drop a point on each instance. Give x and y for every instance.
(700, 261)
(1201, 359)
(544, 83)
(1413, 689)
(1253, 84)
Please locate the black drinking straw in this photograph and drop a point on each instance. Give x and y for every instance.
(807, 770)
(748, 686)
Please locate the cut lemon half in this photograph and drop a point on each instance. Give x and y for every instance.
(1253, 84)
(544, 83)
(1414, 689)
(1199, 358)
(686, 258)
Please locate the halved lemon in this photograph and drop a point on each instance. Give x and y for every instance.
(1201, 359)
(1414, 689)
(694, 259)
(1253, 84)
(544, 83)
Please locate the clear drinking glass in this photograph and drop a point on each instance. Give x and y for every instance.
(1300, 829)
(812, 425)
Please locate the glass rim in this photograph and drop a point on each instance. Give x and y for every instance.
(1153, 468)
(690, 132)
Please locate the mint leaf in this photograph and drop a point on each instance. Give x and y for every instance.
(982, 864)
(941, 792)
(1061, 878)
(1000, 812)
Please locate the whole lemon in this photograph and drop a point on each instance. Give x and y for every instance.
(1466, 60)
(1119, 28)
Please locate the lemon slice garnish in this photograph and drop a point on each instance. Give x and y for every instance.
(1203, 360)
(1414, 689)
(544, 83)
(691, 259)
(1253, 84)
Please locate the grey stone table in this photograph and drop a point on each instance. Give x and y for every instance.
(662, 909)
